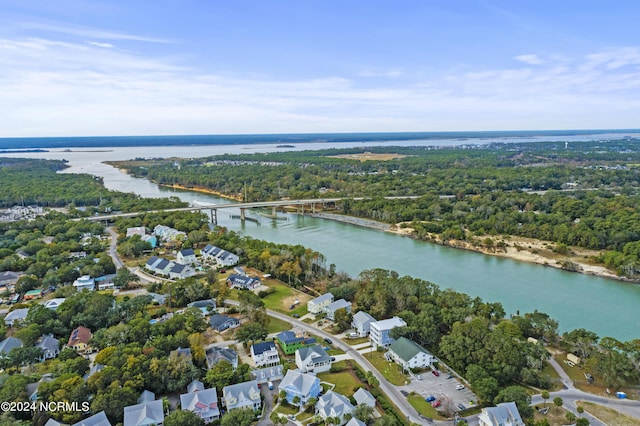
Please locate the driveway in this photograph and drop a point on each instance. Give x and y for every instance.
(442, 388)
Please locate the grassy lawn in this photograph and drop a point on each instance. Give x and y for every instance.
(390, 370)
(277, 325)
(283, 297)
(609, 416)
(357, 341)
(423, 407)
(556, 383)
(577, 376)
(555, 415)
(333, 352)
(286, 410)
(346, 381)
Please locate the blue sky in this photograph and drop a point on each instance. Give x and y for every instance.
(73, 67)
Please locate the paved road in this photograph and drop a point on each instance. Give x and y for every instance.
(112, 248)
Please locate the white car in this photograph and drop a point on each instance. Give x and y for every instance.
(459, 387)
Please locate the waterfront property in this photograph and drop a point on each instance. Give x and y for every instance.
(379, 331)
(315, 306)
(361, 322)
(333, 307)
(505, 414)
(166, 233)
(221, 257)
(289, 342)
(301, 385)
(409, 354)
(313, 359)
(242, 395)
(243, 282)
(335, 405)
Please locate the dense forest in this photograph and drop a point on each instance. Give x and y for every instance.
(37, 182)
(580, 194)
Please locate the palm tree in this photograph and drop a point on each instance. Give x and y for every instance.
(545, 395)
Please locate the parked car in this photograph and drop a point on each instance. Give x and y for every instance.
(333, 358)
(459, 387)
(462, 407)
(430, 398)
(404, 393)
(449, 376)
(329, 341)
(436, 404)
(296, 315)
(435, 373)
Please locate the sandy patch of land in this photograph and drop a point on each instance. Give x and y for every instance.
(369, 156)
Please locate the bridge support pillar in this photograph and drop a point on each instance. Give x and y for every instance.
(213, 213)
(313, 208)
(242, 214)
(273, 211)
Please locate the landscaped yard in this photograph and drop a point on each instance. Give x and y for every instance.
(286, 409)
(390, 370)
(277, 325)
(423, 407)
(346, 380)
(357, 341)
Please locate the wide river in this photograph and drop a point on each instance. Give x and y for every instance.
(608, 307)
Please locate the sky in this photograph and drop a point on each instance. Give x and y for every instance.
(163, 67)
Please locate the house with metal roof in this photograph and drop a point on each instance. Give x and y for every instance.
(290, 342)
(302, 385)
(269, 374)
(144, 414)
(215, 354)
(361, 322)
(242, 395)
(355, 422)
(409, 354)
(379, 331)
(333, 307)
(53, 304)
(186, 257)
(333, 404)
(315, 306)
(313, 359)
(50, 347)
(243, 282)
(9, 343)
(99, 419)
(203, 402)
(15, 316)
(219, 256)
(505, 414)
(265, 354)
(362, 396)
(85, 282)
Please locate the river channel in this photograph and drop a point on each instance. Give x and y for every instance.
(608, 307)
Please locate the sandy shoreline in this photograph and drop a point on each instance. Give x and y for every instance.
(516, 248)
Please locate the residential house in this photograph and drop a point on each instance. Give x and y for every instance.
(33, 294)
(22, 254)
(205, 305)
(146, 413)
(79, 339)
(313, 359)
(166, 233)
(7, 344)
(265, 354)
(16, 316)
(9, 278)
(160, 299)
(409, 354)
(226, 258)
(222, 257)
(315, 306)
(160, 266)
(183, 353)
(333, 404)
(333, 307)
(361, 322)
(146, 396)
(99, 419)
(53, 304)
(362, 396)
(77, 254)
(221, 323)
(215, 354)
(151, 239)
(85, 282)
(301, 385)
(355, 422)
(50, 347)
(505, 414)
(178, 271)
(105, 282)
(243, 282)
(203, 402)
(138, 230)
(186, 257)
(52, 422)
(269, 374)
(379, 331)
(242, 395)
(289, 342)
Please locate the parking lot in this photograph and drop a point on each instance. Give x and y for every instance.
(442, 389)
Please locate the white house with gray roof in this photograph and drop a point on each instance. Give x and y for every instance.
(215, 354)
(312, 359)
(9, 343)
(361, 322)
(333, 404)
(333, 307)
(203, 402)
(379, 331)
(242, 395)
(50, 347)
(99, 419)
(144, 414)
(362, 396)
(505, 414)
(16, 316)
(315, 306)
(269, 374)
(186, 257)
(355, 422)
(409, 354)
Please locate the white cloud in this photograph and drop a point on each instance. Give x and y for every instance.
(99, 44)
(392, 73)
(529, 59)
(54, 88)
(87, 32)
